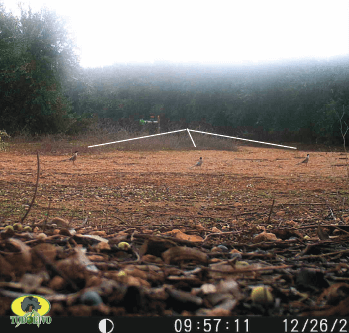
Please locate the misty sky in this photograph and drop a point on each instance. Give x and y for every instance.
(223, 31)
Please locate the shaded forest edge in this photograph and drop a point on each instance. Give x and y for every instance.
(44, 90)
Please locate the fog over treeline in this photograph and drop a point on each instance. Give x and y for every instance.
(43, 89)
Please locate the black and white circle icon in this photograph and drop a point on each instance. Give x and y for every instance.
(106, 326)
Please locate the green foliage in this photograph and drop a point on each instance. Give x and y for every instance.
(286, 101)
(35, 60)
(3, 145)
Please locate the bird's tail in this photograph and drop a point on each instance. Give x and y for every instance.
(301, 162)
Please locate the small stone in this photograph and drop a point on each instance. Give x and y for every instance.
(91, 298)
(223, 248)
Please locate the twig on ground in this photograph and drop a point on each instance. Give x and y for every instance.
(36, 189)
(343, 134)
(271, 211)
(220, 234)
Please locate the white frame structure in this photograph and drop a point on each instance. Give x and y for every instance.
(189, 130)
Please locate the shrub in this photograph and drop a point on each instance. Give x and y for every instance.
(3, 144)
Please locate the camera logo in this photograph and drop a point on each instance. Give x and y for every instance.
(30, 309)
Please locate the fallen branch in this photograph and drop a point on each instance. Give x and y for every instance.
(36, 189)
(321, 255)
(245, 270)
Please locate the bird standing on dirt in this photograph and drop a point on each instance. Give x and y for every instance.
(198, 163)
(305, 161)
(73, 158)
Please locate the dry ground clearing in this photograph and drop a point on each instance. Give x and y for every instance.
(175, 219)
(159, 188)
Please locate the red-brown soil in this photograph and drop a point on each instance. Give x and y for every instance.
(162, 182)
(158, 204)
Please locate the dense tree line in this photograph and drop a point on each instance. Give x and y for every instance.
(35, 61)
(291, 101)
(44, 90)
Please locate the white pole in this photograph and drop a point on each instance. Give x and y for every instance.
(191, 138)
(140, 137)
(233, 137)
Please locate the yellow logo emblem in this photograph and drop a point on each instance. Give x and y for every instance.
(27, 303)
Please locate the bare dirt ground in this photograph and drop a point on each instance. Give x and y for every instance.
(146, 195)
(162, 185)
